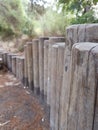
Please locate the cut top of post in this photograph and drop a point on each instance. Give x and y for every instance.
(85, 46)
(56, 39)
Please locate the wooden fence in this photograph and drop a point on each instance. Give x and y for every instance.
(63, 74)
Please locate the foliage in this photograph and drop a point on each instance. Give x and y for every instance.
(52, 23)
(86, 18)
(82, 9)
(15, 18)
(12, 17)
(78, 6)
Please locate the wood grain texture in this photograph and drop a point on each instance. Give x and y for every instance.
(57, 63)
(35, 48)
(95, 55)
(46, 47)
(21, 68)
(30, 65)
(60, 66)
(14, 65)
(82, 88)
(41, 63)
(25, 69)
(5, 58)
(52, 41)
(54, 63)
(74, 34)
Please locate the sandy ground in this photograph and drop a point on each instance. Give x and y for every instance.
(19, 108)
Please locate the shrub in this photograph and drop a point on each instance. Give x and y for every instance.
(86, 18)
(52, 23)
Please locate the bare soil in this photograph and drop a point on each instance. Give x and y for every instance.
(19, 108)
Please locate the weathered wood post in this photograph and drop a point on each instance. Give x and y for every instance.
(54, 64)
(11, 55)
(14, 65)
(52, 40)
(21, 69)
(41, 64)
(46, 47)
(35, 48)
(57, 64)
(74, 34)
(60, 66)
(82, 88)
(17, 67)
(1, 53)
(30, 65)
(5, 58)
(95, 54)
(8, 61)
(25, 65)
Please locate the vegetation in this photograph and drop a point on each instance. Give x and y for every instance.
(12, 17)
(15, 17)
(32, 18)
(52, 23)
(82, 9)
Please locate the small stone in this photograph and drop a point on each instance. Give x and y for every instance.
(43, 119)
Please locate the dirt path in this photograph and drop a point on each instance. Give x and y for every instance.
(19, 110)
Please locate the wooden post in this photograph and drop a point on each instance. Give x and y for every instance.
(35, 48)
(10, 63)
(74, 34)
(11, 55)
(95, 55)
(5, 58)
(8, 60)
(17, 67)
(60, 66)
(46, 47)
(14, 65)
(41, 64)
(91, 32)
(21, 69)
(30, 65)
(25, 65)
(82, 88)
(57, 64)
(52, 40)
(54, 64)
